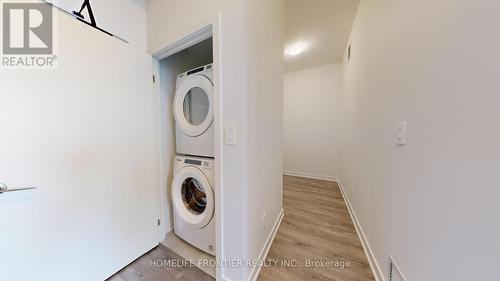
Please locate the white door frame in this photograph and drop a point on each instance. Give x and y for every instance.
(201, 34)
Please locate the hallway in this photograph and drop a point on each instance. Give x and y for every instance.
(316, 227)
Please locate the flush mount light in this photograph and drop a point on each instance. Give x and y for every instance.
(295, 49)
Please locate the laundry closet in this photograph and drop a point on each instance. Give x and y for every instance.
(187, 158)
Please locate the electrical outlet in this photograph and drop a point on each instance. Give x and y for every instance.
(230, 135)
(264, 221)
(401, 133)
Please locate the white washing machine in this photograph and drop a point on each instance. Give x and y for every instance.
(193, 196)
(194, 112)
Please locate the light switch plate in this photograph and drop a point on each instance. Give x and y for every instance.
(230, 135)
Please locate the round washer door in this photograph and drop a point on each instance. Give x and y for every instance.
(193, 105)
(193, 197)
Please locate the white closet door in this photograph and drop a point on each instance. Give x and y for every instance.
(83, 134)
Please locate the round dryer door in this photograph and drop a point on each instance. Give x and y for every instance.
(193, 197)
(193, 105)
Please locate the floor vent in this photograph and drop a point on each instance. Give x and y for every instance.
(395, 273)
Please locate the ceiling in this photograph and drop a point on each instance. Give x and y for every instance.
(322, 27)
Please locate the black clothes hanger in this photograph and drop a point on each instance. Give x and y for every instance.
(86, 4)
(79, 16)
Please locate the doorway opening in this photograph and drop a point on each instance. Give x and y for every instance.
(186, 100)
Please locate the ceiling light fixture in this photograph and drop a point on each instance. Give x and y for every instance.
(295, 49)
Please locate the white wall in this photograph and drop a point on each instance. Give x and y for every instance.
(247, 60)
(311, 121)
(84, 135)
(170, 67)
(264, 116)
(432, 204)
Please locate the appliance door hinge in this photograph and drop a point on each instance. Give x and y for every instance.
(154, 79)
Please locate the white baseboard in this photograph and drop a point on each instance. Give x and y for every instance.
(310, 176)
(263, 254)
(379, 276)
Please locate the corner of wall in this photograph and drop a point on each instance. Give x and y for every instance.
(254, 274)
(377, 272)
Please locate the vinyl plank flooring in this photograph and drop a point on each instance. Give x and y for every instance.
(316, 227)
(141, 269)
(189, 252)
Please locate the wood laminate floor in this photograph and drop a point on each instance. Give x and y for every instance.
(188, 252)
(143, 270)
(316, 241)
(316, 228)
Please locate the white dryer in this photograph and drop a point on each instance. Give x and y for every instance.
(193, 197)
(194, 112)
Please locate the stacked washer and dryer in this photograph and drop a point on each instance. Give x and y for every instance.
(193, 189)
